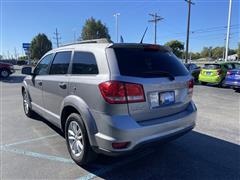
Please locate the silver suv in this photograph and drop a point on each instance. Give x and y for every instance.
(111, 98)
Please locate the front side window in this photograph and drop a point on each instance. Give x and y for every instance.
(43, 65)
(84, 63)
(61, 62)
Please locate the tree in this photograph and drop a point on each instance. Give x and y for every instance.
(205, 52)
(22, 58)
(39, 46)
(177, 47)
(94, 29)
(217, 52)
(231, 52)
(196, 55)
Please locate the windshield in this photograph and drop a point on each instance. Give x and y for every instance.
(139, 62)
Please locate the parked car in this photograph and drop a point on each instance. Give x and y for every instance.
(215, 73)
(233, 78)
(6, 69)
(194, 70)
(111, 98)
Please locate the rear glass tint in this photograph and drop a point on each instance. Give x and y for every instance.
(211, 66)
(137, 61)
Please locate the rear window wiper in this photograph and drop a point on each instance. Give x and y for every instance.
(165, 73)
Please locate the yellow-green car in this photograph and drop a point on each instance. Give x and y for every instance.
(215, 73)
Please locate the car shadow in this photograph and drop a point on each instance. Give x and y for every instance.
(193, 156)
(37, 117)
(237, 90)
(12, 79)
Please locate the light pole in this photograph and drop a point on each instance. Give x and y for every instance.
(228, 29)
(116, 16)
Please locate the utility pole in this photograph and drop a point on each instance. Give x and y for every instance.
(155, 20)
(116, 16)
(57, 37)
(224, 42)
(188, 28)
(228, 29)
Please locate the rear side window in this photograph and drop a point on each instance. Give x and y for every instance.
(211, 66)
(84, 63)
(60, 63)
(141, 62)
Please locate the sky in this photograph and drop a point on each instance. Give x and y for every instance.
(22, 20)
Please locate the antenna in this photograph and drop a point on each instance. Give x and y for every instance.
(143, 35)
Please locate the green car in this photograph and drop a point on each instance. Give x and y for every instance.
(215, 73)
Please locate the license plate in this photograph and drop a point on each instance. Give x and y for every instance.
(164, 98)
(167, 98)
(209, 73)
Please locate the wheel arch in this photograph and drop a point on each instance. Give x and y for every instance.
(74, 104)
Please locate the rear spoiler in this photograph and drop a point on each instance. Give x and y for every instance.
(135, 45)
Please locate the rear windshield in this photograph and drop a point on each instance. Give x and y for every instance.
(140, 62)
(211, 66)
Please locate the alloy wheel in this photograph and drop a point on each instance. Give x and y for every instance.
(75, 138)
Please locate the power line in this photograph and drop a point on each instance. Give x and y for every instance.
(57, 37)
(211, 29)
(155, 20)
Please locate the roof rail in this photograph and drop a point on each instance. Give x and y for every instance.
(102, 40)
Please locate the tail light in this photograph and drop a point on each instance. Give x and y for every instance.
(190, 86)
(229, 73)
(117, 92)
(219, 72)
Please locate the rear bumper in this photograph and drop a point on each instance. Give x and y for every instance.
(210, 79)
(126, 129)
(232, 83)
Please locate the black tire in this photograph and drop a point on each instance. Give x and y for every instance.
(26, 102)
(221, 84)
(87, 155)
(4, 73)
(203, 83)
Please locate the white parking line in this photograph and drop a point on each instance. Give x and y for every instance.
(30, 140)
(35, 154)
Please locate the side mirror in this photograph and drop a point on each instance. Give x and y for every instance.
(27, 70)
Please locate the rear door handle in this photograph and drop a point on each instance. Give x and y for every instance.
(39, 83)
(62, 85)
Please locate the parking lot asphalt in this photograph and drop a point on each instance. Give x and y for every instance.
(35, 149)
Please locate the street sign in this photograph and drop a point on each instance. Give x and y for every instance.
(26, 45)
